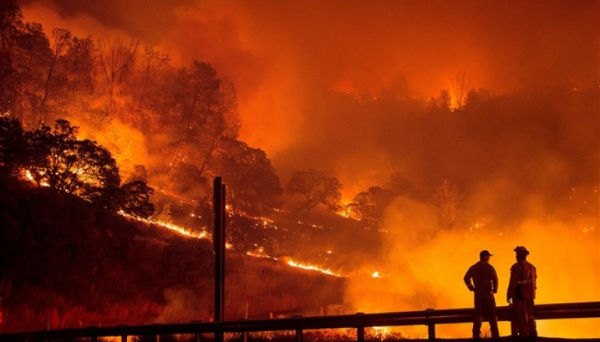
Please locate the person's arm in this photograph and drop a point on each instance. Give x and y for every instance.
(510, 293)
(467, 279)
(494, 280)
(534, 278)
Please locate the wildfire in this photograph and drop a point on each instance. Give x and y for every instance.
(203, 234)
(260, 253)
(379, 332)
(310, 267)
(29, 176)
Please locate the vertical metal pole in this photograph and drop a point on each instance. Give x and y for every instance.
(299, 336)
(360, 334)
(430, 327)
(431, 331)
(360, 331)
(219, 247)
(223, 238)
(245, 333)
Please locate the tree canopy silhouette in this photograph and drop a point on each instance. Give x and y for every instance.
(315, 188)
(55, 158)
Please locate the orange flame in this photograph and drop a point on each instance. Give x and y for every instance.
(311, 267)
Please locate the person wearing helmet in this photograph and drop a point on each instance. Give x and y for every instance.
(481, 278)
(521, 294)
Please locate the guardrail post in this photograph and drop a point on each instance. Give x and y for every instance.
(360, 331)
(298, 335)
(431, 331)
(430, 327)
(219, 248)
(123, 338)
(360, 334)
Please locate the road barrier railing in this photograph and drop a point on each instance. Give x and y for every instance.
(358, 321)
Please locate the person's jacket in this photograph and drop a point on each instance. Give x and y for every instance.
(523, 277)
(485, 279)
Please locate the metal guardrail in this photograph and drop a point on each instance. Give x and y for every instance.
(359, 321)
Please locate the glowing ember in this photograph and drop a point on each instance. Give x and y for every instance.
(29, 176)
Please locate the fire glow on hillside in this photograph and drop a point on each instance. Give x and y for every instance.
(433, 142)
(259, 254)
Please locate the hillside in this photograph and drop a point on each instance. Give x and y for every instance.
(63, 263)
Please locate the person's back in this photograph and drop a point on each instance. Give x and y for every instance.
(523, 277)
(521, 294)
(481, 278)
(484, 277)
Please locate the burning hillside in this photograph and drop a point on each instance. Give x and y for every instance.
(381, 143)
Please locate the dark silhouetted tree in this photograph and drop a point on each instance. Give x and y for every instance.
(370, 205)
(58, 160)
(117, 60)
(139, 173)
(444, 101)
(205, 110)
(10, 27)
(315, 188)
(135, 199)
(253, 184)
(460, 85)
(53, 80)
(12, 144)
(448, 202)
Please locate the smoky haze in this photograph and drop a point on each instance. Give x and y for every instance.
(346, 87)
(282, 55)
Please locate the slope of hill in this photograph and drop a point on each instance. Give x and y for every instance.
(63, 263)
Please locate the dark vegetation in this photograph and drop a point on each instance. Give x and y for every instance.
(58, 160)
(66, 263)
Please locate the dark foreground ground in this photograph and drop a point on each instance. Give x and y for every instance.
(511, 339)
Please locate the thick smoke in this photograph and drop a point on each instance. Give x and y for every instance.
(341, 86)
(424, 268)
(280, 53)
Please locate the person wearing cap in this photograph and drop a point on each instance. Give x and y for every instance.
(521, 294)
(481, 278)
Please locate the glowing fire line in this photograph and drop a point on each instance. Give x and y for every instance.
(206, 235)
(312, 268)
(203, 234)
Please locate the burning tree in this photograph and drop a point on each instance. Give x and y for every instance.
(55, 158)
(60, 161)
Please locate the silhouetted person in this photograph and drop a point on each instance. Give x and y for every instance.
(521, 293)
(481, 278)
